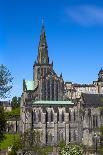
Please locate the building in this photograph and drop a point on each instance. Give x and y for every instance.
(57, 110)
(6, 105)
(74, 90)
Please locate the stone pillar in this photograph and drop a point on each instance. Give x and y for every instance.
(67, 127)
(67, 133)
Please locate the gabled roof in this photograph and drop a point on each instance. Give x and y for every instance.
(94, 100)
(30, 85)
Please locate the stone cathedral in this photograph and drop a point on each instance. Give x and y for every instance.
(45, 108)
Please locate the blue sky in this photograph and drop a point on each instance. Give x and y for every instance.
(74, 31)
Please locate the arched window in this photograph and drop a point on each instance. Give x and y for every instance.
(58, 116)
(74, 115)
(34, 116)
(39, 116)
(62, 117)
(69, 116)
(46, 116)
(51, 114)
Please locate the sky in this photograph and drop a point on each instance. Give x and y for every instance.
(74, 30)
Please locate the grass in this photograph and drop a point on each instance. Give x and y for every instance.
(9, 140)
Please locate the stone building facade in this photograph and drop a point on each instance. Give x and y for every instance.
(57, 110)
(74, 90)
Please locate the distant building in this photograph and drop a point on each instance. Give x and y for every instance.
(74, 90)
(69, 112)
(7, 105)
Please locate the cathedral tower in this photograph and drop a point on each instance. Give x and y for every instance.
(43, 48)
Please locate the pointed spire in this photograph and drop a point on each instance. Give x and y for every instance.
(43, 36)
(43, 30)
(43, 48)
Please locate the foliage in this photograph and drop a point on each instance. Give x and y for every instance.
(61, 144)
(31, 141)
(2, 123)
(15, 102)
(71, 149)
(5, 81)
(14, 113)
(10, 140)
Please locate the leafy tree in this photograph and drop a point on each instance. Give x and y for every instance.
(5, 81)
(15, 102)
(31, 141)
(2, 123)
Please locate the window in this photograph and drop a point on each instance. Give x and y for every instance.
(62, 117)
(51, 114)
(39, 116)
(34, 116)
(69, 116)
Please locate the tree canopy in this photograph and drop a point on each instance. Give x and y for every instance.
(15, 102)
(5, 81)
(2, 123)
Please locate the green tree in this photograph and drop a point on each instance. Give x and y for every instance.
(5, 81)
(2, 123)
(31, 141)
(15, 102)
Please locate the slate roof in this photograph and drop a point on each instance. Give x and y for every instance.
(94, 100)
(5, 103)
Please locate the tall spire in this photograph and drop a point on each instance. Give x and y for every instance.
(43, 35)
(43, 48)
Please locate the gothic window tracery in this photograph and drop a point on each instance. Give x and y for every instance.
(39, 116)
(34, 116)
(69, 116)
(51, 115)
(62, 117)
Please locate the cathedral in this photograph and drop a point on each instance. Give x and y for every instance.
(58, 110)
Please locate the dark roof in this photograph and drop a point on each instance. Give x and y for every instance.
(83, 85)
(94, 100)
(5, 103)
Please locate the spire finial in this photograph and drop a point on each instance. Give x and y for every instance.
(42, 31)
(42, 21)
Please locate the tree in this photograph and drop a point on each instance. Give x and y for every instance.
(15, 102)
(2, 123)
(5, 81)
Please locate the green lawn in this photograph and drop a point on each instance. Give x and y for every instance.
(9, 140)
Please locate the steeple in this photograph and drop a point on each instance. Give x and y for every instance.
(43, 48)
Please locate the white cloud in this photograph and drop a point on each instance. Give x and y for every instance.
(85, 14)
